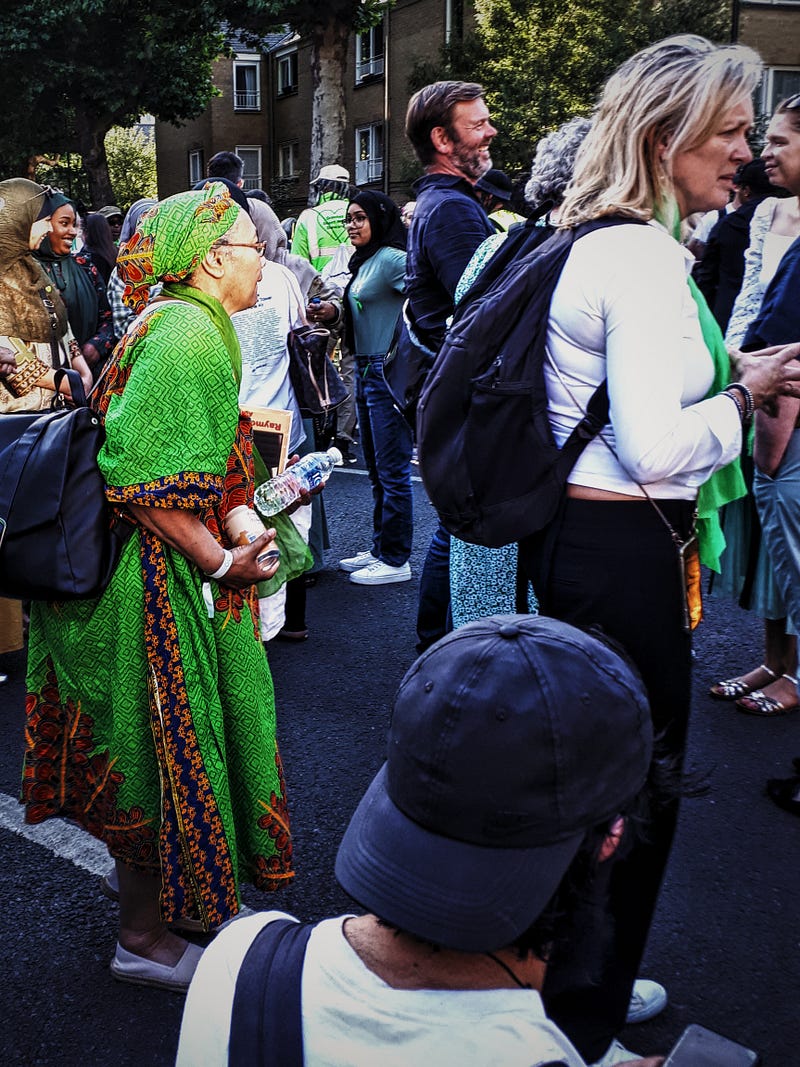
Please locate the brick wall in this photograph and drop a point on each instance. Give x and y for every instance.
(416, 30)
(773, 31)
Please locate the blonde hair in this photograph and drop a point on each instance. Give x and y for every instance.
(671, 92)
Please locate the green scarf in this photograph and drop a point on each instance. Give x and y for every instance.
(218, 315)
(296, 557)
(726, 484)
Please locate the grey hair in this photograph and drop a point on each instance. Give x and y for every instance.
(554, 161)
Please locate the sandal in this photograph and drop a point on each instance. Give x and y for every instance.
(734, 688)
(759, 703)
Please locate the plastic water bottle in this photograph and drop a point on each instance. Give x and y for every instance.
(282, 490)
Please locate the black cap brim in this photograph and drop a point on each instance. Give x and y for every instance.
(452, 893)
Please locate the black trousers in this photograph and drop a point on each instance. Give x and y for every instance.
(614, 565)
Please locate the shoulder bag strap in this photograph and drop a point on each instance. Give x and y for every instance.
(57, 358)
(266, 1018)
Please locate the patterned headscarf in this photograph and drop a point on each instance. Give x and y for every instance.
(172, 238)
(22, 313)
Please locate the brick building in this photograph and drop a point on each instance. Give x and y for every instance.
(772, 27)
(264, 110)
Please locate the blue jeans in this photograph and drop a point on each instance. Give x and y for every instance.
(386, 441)
(433, 612)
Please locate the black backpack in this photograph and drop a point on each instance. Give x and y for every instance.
(487, 455)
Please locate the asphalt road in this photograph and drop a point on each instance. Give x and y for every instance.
(726, 941)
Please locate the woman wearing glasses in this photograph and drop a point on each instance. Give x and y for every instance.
(372, 301)
(150, 712)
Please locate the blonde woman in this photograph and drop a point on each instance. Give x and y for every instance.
(666, 139)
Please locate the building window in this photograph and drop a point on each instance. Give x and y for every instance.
(369, 54)
(453, 21)
(246, 85)
(196, 168)
(369, 153)
(288, 157)
(287, 72)
(777, 84)
(251, 155)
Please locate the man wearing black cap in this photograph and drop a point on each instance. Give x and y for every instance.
(516, 746)
(495, 191)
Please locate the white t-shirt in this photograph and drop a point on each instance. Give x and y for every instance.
(352, 1018)
(262, 331)
(622, 309)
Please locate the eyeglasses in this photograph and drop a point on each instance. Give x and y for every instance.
(356, 220)
(792, 103)
(260, 246)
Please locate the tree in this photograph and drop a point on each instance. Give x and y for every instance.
(544, 61)
(131, 165)
(328, 25)
(76, 69)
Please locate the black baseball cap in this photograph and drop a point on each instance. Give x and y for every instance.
(497, 184)
(509, 740)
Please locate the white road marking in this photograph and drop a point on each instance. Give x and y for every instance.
(61, 838)
(364, 474)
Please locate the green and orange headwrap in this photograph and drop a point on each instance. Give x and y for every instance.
(172, 238)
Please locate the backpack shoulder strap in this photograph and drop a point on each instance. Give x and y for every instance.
(266, 1018)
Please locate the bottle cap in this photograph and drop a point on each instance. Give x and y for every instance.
(335, 455)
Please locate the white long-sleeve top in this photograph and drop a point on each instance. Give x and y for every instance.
(622, 309)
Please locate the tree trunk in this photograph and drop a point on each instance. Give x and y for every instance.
(328, 69)
(91, 133)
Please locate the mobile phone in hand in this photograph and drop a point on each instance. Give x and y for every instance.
(699, 1047)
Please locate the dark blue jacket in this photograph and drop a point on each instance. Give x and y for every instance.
(778, 320)
(447, 226)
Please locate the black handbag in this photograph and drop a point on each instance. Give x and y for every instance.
(59, 538)
(315, 380)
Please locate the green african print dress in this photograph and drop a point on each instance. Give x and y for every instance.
(150, 712)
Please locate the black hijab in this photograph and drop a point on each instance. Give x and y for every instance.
(387, 229)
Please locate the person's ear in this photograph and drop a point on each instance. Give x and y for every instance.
(611, 841)
(441, 140)
(214, 262)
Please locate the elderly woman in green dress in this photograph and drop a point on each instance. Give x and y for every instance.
(150, 713)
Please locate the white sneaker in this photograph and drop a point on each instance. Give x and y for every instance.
(615, 1053)
(648, 999)
(355, 563)
(380, 573)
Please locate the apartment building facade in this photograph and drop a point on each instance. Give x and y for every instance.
(264, 110)
(772, 27)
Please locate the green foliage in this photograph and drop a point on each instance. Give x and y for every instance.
(73, 70)
(544, 61)
(131, 165)
(304, 16)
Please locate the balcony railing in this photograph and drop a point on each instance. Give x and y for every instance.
(368, 68)
(368, 170)
(247, 101)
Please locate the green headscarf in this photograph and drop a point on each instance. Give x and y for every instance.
(172, 238)
(22, 313)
